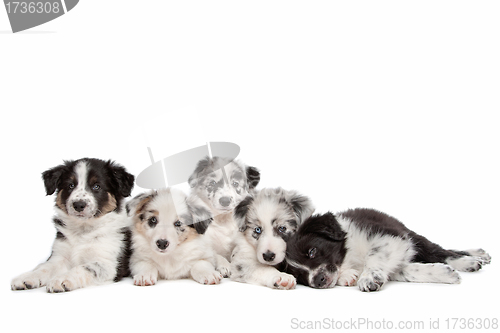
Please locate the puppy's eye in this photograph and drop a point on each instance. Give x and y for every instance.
(177, 223)
(282, 229)
(258, 230)
(312, 253)
(152, 221)
(212, 183)
(96, 187)
(71, 186)
(235, 184)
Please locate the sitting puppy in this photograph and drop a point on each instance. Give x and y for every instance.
(369, 248)
(91, 244)
(167, 240)
(222, 184)
(266, 222)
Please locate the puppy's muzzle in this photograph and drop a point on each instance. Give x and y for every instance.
(79, 206)
(162, 244)
(269, 256)
(225, 201)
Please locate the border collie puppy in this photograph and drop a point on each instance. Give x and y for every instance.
(92, 240)
(369, 248)
(266, 222)
(167, 240)
(222, 183)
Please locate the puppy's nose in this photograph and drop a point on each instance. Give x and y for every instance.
(162, 244)
(225, 201)
(319, 280)
(79, 205)
(269, 256)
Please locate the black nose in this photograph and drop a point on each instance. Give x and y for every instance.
(79, 205)
(319, 280)
(225, 201)
(162, 244)
(269, 256)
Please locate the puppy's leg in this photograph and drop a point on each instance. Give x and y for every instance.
(384, 258)
(223, 266)
(82, 276)
(144, 273)
(469, 260)
(40, 275)
(204, 272)
(431, 273)
(348, 277)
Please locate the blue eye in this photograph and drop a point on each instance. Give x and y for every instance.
(71, 186)
(258, 230)
(96, 187)
(152, 222)
(177, 223)
(282, 229)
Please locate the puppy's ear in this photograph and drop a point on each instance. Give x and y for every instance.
(240, 212)
(52, 178)
(302, 206)
(202, 217)
(137, 204)
(253, 177)
(202, 165)
(123, 180)
(328, 227)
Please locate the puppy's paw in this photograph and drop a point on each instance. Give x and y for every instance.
(27, 280)
(482, 254)
(145, 279)
(283, 281)
(371, 281)
(348, 278)
(446, 274)
(212, 277)
(467, 263)
(224, 268)
(61, 284)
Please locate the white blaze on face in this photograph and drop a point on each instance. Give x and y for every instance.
(81, 194)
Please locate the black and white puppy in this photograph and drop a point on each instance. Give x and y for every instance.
(266, 221)
(92, 240)
(222, 184)
(368, 248)
(167, 238)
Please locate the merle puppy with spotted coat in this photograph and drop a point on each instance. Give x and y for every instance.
(368, 248)
(93, 240)
(266, 221)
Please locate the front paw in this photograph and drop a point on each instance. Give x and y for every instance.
(371, 281)
(212, 277)
(27, 280)
(145, 280)
(283, 281)
(224, 268)
(348, 278)
(62, 284)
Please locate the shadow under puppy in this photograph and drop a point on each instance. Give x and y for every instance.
(266, 221)
(167, 240)
(92, 240)
(368, 248)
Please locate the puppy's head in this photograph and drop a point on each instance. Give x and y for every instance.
(269, 219)
(223, 183)
(316, 251)
(167, 218)
(88, 187)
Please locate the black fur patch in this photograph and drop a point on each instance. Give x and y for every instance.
(241, 211)
(123, 269)
(253, 177)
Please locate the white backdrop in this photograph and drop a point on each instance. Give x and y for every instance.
(385, 104)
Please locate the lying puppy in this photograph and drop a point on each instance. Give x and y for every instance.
(222, 184)
(266, 222)
(369, 248)
(92, 240)
(167, 239)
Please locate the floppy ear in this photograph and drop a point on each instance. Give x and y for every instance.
(202, 217)
(52, 178)
(253, 177)
(123, 180)
(301, 205)
(138, 203)
(328, 227)
(202, 164)
(240, 212)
